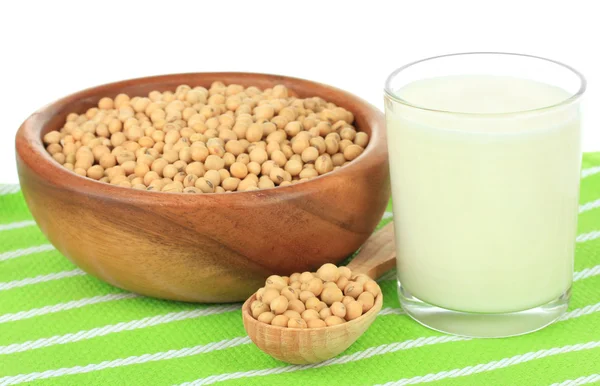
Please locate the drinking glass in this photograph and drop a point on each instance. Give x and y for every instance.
(484, 159)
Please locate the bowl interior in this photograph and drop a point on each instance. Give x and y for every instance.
(53, 116)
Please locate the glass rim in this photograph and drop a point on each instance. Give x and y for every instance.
(390, 93)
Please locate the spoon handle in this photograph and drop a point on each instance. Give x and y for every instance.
(377, 255)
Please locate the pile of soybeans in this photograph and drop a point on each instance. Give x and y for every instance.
(195, 140)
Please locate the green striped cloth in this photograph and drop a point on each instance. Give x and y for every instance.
(61, 326)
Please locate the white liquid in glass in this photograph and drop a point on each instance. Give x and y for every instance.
(485, 205)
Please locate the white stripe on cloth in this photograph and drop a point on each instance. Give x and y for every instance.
(184, 315)
(64, 306)
(589, 206)
(370, 352)
(579, 381)
(134, 325)
(576, 313)
(582, 238)
(585, 273)
(380, 350)
(40, 279)
(9, 189)
(132, 360)
(494, 365)
(387, 215)
(114, 328)
(25, 251)
(16, 225)
(590, 171)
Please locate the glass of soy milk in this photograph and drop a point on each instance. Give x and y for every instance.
(484, 159)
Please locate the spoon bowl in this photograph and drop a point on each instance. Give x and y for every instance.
(306, 345)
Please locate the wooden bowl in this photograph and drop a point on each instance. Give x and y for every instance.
(205, 247)
(306, 345)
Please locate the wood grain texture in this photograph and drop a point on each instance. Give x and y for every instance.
(312, 345)
(208, 247)
(377, 255)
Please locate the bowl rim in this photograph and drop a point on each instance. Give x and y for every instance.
(31, 151)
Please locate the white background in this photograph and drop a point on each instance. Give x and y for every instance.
(51, 49)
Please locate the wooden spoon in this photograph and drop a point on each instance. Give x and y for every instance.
(311, 345)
